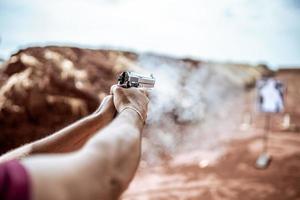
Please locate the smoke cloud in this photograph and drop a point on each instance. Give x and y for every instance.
(192, 107)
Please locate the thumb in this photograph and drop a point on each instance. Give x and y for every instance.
(113, 88)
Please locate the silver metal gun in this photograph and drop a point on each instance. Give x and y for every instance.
(131, 79)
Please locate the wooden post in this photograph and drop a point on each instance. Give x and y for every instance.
(266, 132)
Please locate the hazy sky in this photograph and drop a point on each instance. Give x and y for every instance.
(223, 30)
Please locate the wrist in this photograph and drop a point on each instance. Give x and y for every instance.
(134, 116)
(134, 109)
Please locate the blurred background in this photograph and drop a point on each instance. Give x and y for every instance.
(232, 30)
(203, 135)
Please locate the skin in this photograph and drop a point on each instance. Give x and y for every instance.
(70, 138)
(104, 166)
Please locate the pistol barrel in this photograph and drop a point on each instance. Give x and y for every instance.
(132, 79)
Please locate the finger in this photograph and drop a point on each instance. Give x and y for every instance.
(112, 89)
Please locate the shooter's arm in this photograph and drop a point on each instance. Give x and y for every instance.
(71, 138)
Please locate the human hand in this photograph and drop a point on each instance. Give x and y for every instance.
(132, 98)
(106, 105)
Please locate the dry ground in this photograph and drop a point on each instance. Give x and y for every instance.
(233, 175)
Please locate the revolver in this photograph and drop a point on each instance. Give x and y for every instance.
(131, 79)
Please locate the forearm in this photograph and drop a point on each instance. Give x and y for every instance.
(118, 148)
(107, 163)
(74, 136)
(70, 138)
(66, 140)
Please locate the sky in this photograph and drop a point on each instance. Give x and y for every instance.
(248, 31)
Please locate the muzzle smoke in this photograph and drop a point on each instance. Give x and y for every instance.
(193, 107)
